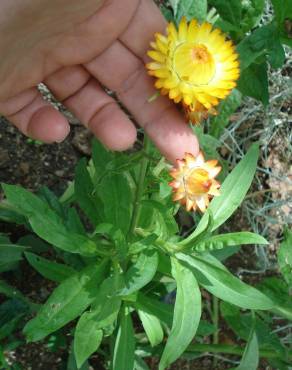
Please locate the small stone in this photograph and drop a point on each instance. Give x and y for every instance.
(60, 173)
(81, 141)
(24, 167)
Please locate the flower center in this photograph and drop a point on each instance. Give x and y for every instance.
(198, 182)
(193, 63)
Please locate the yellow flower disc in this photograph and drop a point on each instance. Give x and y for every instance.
(194, 181)
(194, 65)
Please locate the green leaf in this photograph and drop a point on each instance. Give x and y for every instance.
(251, 14)
(227, 240)
(87, 338)
(106, 306)
(229, 10)
(71, 362)
(66, 302)
(85, 193)
(191, 9)
(208, 143)
(140, 364)
(12, 292)
(215, 278)
(285, 257)
(154, 307)
(152, 327)
(52, 200)
(187, 313)
(11, 312)
(223, 254)
(205, 225)
(233, 189)
(46, 223)
(253, 82)
(117, 197)
(34, 243)
(226, 108)
(250, 358)
(49, 269)
(141, 272)
(278, 291)
(124, 350)
(241, 323)
(10, 254)
(283, 13)
(263, 41)
(231, 194)
(174, 5)
(102, 159)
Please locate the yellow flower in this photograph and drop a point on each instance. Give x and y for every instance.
(194, 181)
(194, 65)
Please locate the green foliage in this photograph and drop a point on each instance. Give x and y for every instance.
(226, 108)
(131, 269)
(254, 82)
(189, 8)
(67, 302)
(186, 317)
(46, 223)
(250, 358)
(124, 350)
(283, 15)
(140, 273)
(215, 278)
(152, 327)
(10, 254)
(87, 338)
(50, 270)
(285, 257)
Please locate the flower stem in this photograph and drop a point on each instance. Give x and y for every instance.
(215, 319)
(140, 187)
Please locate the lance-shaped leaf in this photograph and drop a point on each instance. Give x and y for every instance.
(215, 278)
(156, 308)
(86, 195)
(227, 240)
(106, 306)
(49, 269)
(141, 272)
(46, 223)
(233, 189)
(187, 313)
(124, 350)
(152, 327)
(66, 302)
(250, 358)
(87, 338)
(285, 257)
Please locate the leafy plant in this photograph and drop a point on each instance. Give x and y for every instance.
(123, 259)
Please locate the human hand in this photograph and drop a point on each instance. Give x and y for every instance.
(75, 48)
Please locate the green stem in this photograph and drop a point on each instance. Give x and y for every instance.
(215, 319)
(140, 188)
(233, 350)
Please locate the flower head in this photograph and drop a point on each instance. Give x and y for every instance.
(194, 181)
(194, 65)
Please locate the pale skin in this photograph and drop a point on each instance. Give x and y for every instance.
(76, 47)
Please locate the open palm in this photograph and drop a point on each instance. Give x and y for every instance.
(76, 48)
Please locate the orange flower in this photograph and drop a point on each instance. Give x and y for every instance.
(194, 181)
(194, 64)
